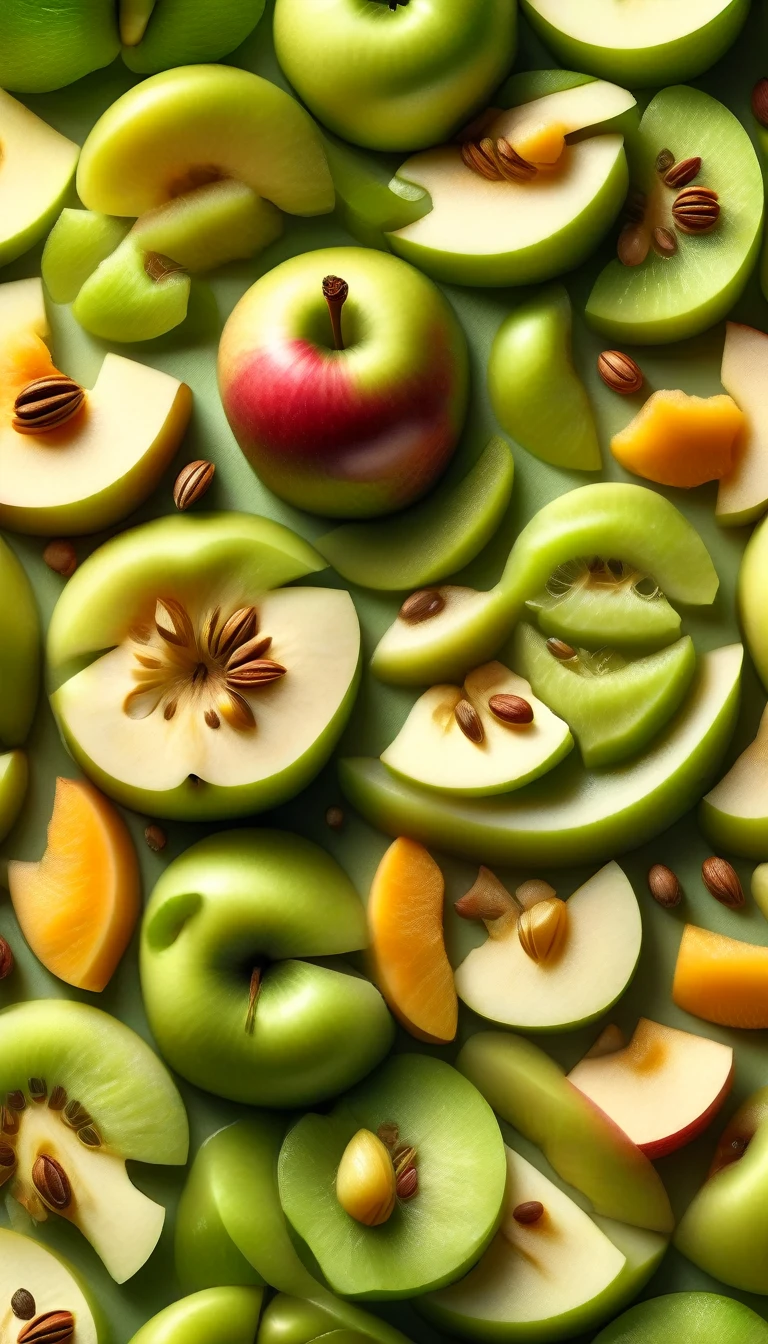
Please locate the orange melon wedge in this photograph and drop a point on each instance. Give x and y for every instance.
(680, 440)
(721, 979)
(411, 966)
(78, 905)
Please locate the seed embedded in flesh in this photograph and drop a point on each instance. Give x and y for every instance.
(366, 1185)
(389, 1133)
(7, 1155)
(511, 709)
(664, 160)
(9, 1121)
(16, 1101)
(633, 244)
(559, 649)
(23, 1304)
(421, 606)
(664, 242)
(38, 1090)
(53, 1327)
(90, 1136)
(407, 1184)
(51, 1182)
(680, 174)
(58, 1099)
(530, 1211)
(469, 722)
(542, 928)
(76, 1116)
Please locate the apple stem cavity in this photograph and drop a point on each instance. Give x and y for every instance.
(335, 291)
(253, 997)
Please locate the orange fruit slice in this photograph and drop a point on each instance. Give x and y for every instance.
(680, 440)
(721, 979)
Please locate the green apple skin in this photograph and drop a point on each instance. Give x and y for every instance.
(19, 651)
(14, 778)
(431, 539)
(228, 1315)
(402, 79)
(705, 1317)
(242, 899)
(78, 242)
(654, 65)
(751, 599)
(120, 301)
(536, 394)
(293, 1320)
(369, 200)
(734, 815)
(182, 32)
(529, 1090)
(608, 519)
(572, 816)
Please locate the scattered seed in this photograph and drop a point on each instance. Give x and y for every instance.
(16, 1101)
(528, 1212)
(38, 1089)
(407, 1184)
(468, 720)
(696, 210)
(155, 837)
(57, 1100)
(619, 372)
(192, 482)
(664, 886)
(421, 606)
(212, 718)
(334, 818)
(722, 881)
(559, 649)
(664, 242)
(53, 1327)
(680, 174)
(760, 101)
(511, 709)
(664, 160)
(23, 1304)
(7, 1155)
(51, 1182)
(633, 244)
(389, 1133)
(61, 557)
(169, 710)
(487, 898)
(6, 959)
(634, 206)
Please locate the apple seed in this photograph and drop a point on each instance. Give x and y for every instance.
(664, 886)
(51, 1182)
(469, 722)
(23, 1304)
(722, 881)
(46, 404)
(420, 606)
(511, 709)
(334, 818)
(155, 837)
(38, 1090)
(530, 1211)
(53, 1327)
(61, 557)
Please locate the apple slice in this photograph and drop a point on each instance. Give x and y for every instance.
(370, 202)
(221, 222)
(536, 130)
(37, 165)
(14, 777)
(662, 1089)
(49, 1285)
(751, 598)
(735, 813)
(433, 747)
(228, 1314)
(586, 602)
(742, 495)
(578, 982)
(77, 243)
(705, 1317)
(133, 295)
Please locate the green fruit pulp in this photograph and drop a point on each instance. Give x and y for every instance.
(78, 242)
(706, 1318)
(613, 708)
(588, 602)
(370, 198)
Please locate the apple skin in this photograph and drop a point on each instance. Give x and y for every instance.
(19, 651)
(355, 433)
(14, 778)
(751, 598)
(228, 1315)
(291, 1320)
(706, 1318)
(403, 78)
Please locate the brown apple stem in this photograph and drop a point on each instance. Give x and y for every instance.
(335, 293)
(253, 995)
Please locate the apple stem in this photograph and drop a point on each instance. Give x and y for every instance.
(253, 995)
(335, 293)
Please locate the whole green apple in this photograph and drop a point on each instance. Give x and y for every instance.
(395, 74)
(348, 403)
(227, 1315)
(235, 994)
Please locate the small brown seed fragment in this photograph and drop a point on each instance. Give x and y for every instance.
(722, 881)
(61, 557)
(7, 1155)
(53, 1327)
(511, 709)
(512, 166)
(533, 890)
(389, 1133)
(155, 837)
(633, 244)
(664, 160)
(38, 1090)
(420, 606)
(664, 886)
(46, 404)
(407, 1184)
(487, 898)
(334, 818)
(9, 1121)
(51, 1182)
(696, 210)
(403, 1158)
(680, 174)
(479, 156)
(664, 242)
(16, 1101)
(212, 719)
(158, 266)
(57, 1100)
(634, 206)
(760, 101)
(542, 929)
(6, 959)
(468, 720)
(192, 482)
(258, 672)
(619, 372)
(530, 1211)
(23, 1304)
(241, 626)
(246, 653)
(559, 649)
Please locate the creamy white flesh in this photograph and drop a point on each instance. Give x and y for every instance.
(744, 374)
(628, 23)
(22, 308)
(315, 635)
(475, 217)
(432, 749)
(659, 1084)
(743, 792)
(538, 1271)
(36, 163)
(24, 1263)
(565, 112)
(602, 943)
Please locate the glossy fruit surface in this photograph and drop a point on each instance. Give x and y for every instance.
(751, 599)
(721, 979)
(589, 602)
(51, 1283)
(230, 1314)
(666, 1320)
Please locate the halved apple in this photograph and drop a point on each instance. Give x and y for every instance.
(735, 813)
(433, 749)
(742, 495)
(37, 165)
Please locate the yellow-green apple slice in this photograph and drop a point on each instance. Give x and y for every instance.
(19, 650)
(37, 165)
(651, 42)
(230, 1315)
(735, 813)
(370, 202)
(14, 777)
(433, 749)
(742, 495)
(573, 815)
(133, 295)
(77, 243)
(751, 598)
(33, 1282)
(549, 1278)
(223, 221)
(293, 1320)
(196, 124)
(705, 1317)
(586, 1148)
(579, 982)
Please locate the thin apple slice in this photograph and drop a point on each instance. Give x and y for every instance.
(133, 295)
(735, 813)
(37, 165)
(585, 603)
(78, 242)
(14, 777)
(742, 495)
(536, 130)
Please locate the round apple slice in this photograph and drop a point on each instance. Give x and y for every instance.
(34, 1282)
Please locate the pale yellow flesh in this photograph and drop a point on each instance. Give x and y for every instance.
(744, 374)
(743, 792)
(315, 635)
(529, 128)
(659, 1084)
(539, 1271)
(25, 1263)
(479, 218)
(22, 308)
(36, 163)
(602, 943)
(629, 23)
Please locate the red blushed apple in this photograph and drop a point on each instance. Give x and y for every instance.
(344, 376)
(662, 1089)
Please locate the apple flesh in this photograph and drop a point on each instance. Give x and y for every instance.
(663, 1088)
(705, 1317)
(584, 602)
(36, 172)
(354, 431)
(735, 813)
(742, 495)
(133, 295)
(751, 599)
(51, 1283)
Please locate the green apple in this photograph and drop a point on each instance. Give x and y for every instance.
(19, 652)
(572, 816)
(431, 539)
(148, 610)
(530, 1091)
(87, 1092)
(429, 1239)
(46, 1283)
(580, 981)
(751, 599)
(734, 814)
(433, 749)
(161, 33)
(14, 778)
(77, 243)
(548, 1279)
(705, 1317)
(174, 132)
(228, 1315)
(291, 1320)
(536, 393)
(742, 495)
(235, 997)
(590, 601)
(133, 295)
(724, 1230)
(607, 519)
(397, 76)
(37, 166)
(652, 43)
(370, 200)
(614, 708)
(668, 298)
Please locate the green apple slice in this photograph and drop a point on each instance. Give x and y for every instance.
(429, 540)
(742, 495)
(588, 602)
(735, 813)
(229, 1315)
(50, 1282)
(19, 648)
(668, 298)
(199, 123)
(37, 165)
(133, 295)
(530, 1091)
(649, 43)
(554, 115)
(751, 598)
(705, 1317)
(573, 816)
(291, 1320)
(501, 982)
(14, 777)
(432, 749)
(613, 708)
(630, 522)
(78, 242)
(214, 224)
(370, 200)
(536, 393)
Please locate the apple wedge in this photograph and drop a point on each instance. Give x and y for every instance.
(37, 165)
(14, 777)
(742, 495)
(663, 1088)
(751, 598)
(735, 813)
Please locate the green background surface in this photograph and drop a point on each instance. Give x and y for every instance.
(189, 353)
